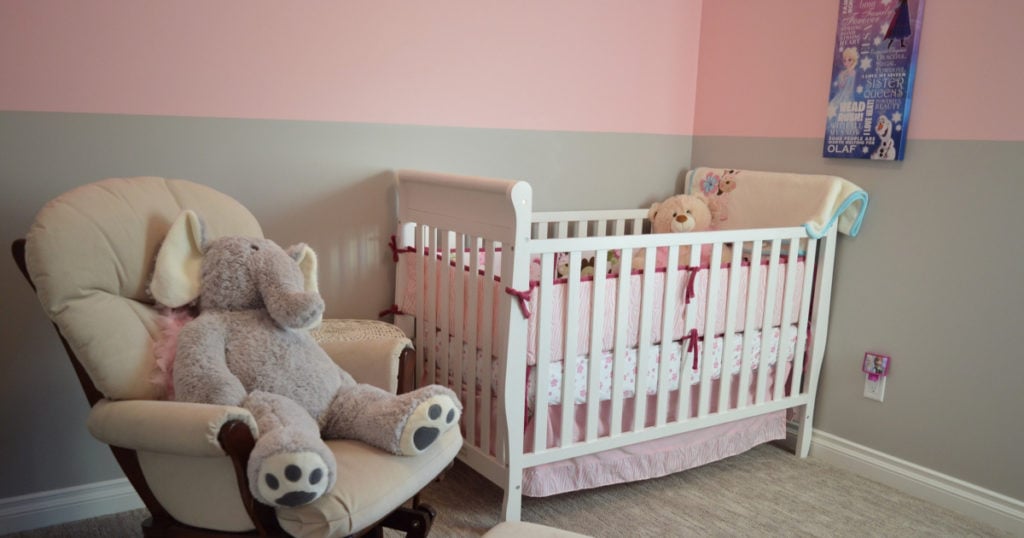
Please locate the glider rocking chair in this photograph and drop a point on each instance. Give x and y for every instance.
(89, 255)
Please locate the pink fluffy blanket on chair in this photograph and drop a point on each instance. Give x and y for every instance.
(170, 322)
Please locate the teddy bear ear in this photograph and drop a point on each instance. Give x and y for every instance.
(306, 258)
(176, 276)
(653, 211)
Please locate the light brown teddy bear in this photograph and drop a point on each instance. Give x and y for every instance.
(678, 214)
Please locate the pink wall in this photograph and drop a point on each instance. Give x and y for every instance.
(581, 65)
(764, 69)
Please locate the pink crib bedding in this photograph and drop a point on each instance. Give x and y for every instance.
(682, 366)
(408, 303)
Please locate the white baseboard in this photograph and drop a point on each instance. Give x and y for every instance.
(36, 510)
(995, 509)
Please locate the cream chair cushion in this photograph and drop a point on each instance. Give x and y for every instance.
(92, 249)
(365, 491)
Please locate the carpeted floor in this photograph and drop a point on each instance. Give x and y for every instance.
(764, 492)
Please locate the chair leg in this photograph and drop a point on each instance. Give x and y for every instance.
(415, 521)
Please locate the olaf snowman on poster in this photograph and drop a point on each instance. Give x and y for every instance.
(872, 78)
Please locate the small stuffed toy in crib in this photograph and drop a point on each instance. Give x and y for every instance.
(250, 347)
(679, 214)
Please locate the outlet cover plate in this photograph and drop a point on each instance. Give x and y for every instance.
(874, 390)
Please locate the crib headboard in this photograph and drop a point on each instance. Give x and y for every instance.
(498, 209)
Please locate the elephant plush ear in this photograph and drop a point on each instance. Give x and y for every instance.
(177, 273)
(306, 259)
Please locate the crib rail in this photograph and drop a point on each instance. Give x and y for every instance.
(562, 224)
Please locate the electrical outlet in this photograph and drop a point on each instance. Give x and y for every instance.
(874, 390)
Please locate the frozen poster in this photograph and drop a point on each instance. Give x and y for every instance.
(872, 78)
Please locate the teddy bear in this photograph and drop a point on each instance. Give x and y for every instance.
(678, 214)
(250, 347)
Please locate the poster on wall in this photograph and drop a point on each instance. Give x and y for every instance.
(872, 78)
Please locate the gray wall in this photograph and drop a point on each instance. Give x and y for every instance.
(935, 280)
(323, 183)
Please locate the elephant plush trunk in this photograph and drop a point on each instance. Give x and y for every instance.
(281, 283)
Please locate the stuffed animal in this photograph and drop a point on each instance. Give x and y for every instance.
(677, 214)
(250, 347)
(587, 264)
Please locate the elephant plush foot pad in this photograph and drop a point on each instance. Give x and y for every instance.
(292, 478)
(432, 417)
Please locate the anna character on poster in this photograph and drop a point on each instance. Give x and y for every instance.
(899, 26)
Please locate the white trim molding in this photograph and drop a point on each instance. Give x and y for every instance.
(995, 509)
(45, 508)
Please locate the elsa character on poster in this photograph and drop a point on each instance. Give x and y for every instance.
(846, 80)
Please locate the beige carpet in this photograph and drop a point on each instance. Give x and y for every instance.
(764, 492)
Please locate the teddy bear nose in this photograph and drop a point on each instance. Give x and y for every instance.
(681, 218)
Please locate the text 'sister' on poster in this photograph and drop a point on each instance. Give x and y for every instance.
(872, 78)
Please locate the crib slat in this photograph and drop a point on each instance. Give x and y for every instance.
(732, 306)
(569, 345)
(710, 324)
(487, 345)
(788, 304)
(771, 288)
(686, 356)
(431, 313)
(542, 371)
(644, 340)
(422, 287)
(444, 306)
(461, 353)
(638, 226)
(624, 283)
(669, 301)
(473, 313)
(562, 229)
(805, 309)
(596, 356)
(753, 283)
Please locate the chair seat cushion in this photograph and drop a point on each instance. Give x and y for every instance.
(371, 483)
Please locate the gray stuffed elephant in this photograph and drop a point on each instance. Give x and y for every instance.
(250, 347)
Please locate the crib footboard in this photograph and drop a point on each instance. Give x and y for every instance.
(501, 301)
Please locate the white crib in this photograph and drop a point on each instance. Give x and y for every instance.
(534, 323)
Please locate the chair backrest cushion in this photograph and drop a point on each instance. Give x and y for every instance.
(90, 253)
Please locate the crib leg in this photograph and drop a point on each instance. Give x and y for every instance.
(803, 436)
(513, 502)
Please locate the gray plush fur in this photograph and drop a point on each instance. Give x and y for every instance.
(250, 347)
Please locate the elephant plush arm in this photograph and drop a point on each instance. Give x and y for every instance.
(200, 370)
